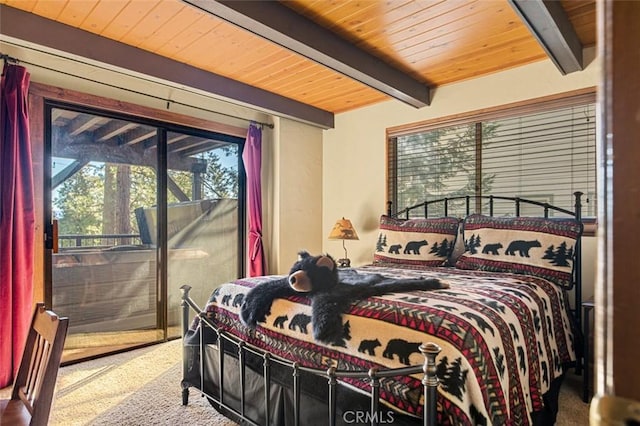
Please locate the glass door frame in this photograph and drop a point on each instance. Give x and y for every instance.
(161, 252)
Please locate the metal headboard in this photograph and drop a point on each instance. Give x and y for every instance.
(473, 203)
(477, 199)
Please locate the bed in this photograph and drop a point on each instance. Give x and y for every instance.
(492, 348)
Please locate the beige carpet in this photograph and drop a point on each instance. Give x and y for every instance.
(142, 387)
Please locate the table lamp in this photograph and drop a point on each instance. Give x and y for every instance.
(343, 230)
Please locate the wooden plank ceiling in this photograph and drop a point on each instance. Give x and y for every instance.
(432, 42)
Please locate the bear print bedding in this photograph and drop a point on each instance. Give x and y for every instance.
(504, 337)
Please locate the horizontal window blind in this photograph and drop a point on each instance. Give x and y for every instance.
(544, 155)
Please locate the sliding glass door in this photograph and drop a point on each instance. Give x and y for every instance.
(203, 189)
(123, 195)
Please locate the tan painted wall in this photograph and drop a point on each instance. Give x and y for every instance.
(292, 197)
(355, 157)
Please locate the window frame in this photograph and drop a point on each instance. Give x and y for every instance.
(531, 106)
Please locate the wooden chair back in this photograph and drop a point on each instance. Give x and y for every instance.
(35, 382)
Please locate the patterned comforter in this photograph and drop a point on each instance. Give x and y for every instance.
(504, 339)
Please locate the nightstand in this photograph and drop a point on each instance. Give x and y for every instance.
(587, 308)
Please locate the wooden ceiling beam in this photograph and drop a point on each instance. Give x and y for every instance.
(281, 25)
(550, 25)
(45, 32)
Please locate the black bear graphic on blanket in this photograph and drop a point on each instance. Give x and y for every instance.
(279, 321)
(413, 247)
(301, 321)
(522, 247)
(369, 346)
(492, 248)
(237, 300)
(402, 348)
(395, 249)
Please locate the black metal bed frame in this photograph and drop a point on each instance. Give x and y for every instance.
(429, 350)
(428, 368)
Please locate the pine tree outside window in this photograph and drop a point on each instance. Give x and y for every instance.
(542, 150)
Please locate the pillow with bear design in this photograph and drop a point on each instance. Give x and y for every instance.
(543, 247)
(416, 242)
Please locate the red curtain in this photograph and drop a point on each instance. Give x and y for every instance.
(17, 220)
(252, 158)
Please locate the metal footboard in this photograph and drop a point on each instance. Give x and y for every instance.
(428, 368)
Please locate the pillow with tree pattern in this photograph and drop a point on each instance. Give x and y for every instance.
(416, 242)
(543, 247)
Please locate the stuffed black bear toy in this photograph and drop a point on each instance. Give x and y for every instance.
(331, 291)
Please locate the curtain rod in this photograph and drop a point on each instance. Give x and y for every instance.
(8, 58)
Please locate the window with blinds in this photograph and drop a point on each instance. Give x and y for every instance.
(543, 151)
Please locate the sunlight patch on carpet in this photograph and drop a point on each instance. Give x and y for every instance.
(86, 390)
